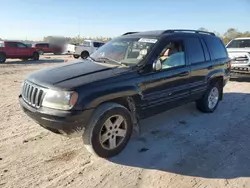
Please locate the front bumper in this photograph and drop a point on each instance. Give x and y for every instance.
(240, 69)
(67, 123)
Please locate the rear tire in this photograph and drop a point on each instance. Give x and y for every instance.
(84, 54)
(109, 130)
(76, 56)
(35, 56)
(2, 57)
(210, 100)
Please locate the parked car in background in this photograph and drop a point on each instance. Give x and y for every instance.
(132, 77)
(14, 49)
(28, 44)
(69, 48)
(239, 51)
(88, 47)
(48, 48)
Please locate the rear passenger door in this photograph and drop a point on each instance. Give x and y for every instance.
(200, 65)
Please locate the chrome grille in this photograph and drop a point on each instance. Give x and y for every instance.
(32, 94)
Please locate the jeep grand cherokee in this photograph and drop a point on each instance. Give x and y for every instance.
(134, 76)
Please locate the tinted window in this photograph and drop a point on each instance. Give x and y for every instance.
(239, 43)
(216, 47)
(195, 50)
(12, 44)
(42, 45)
(173, 55)
(97, 44)
(20, 45)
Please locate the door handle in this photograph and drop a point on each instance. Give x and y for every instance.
(184, 73)
(210, 67)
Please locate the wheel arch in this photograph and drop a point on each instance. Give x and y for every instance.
(217, 79)
(1, 52)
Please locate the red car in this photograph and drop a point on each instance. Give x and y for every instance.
(48, 48)
(13, 49)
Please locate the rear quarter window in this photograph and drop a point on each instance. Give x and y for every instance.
(216, 47)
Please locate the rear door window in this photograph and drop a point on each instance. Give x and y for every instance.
(216, 47)
(195, 50)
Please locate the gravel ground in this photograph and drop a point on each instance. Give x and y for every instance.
(181, 148)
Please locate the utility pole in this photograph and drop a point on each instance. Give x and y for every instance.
(79, 28)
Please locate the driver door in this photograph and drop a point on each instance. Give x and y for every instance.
(22, 50)
(168, 87)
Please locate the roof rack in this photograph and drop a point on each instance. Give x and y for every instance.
(129, 33)
(187, 30)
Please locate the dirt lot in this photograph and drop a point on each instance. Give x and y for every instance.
(180, 148)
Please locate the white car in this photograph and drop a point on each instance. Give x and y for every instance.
(87, 48)
(239, 51)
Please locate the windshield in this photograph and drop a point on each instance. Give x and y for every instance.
(239, 43)
(129, 51)
(86, 43)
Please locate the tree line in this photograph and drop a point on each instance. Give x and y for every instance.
(230, 34)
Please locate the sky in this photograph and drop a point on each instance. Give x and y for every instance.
(34, 19)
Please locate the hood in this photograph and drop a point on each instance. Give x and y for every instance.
(238, 50)
(75, 74)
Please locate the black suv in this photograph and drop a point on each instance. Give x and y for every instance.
(133, 76)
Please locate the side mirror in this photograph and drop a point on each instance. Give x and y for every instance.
(157, 65)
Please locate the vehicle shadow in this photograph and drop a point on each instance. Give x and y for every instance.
(242, 78)
(187, 142)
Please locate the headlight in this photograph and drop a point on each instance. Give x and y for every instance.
(61, 100)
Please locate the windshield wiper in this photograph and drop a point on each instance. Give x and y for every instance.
(91, 58)
(105, 59)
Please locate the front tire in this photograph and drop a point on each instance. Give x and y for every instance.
(84, 54)
(35, 56)
(41, 52)
(108, 131)
(209, 102)
(2, 57)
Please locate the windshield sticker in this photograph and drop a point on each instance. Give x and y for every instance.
(147, 40)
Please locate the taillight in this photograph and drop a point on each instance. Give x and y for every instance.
(229, 65)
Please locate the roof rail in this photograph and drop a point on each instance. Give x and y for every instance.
(129, 33)
(187, 30)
